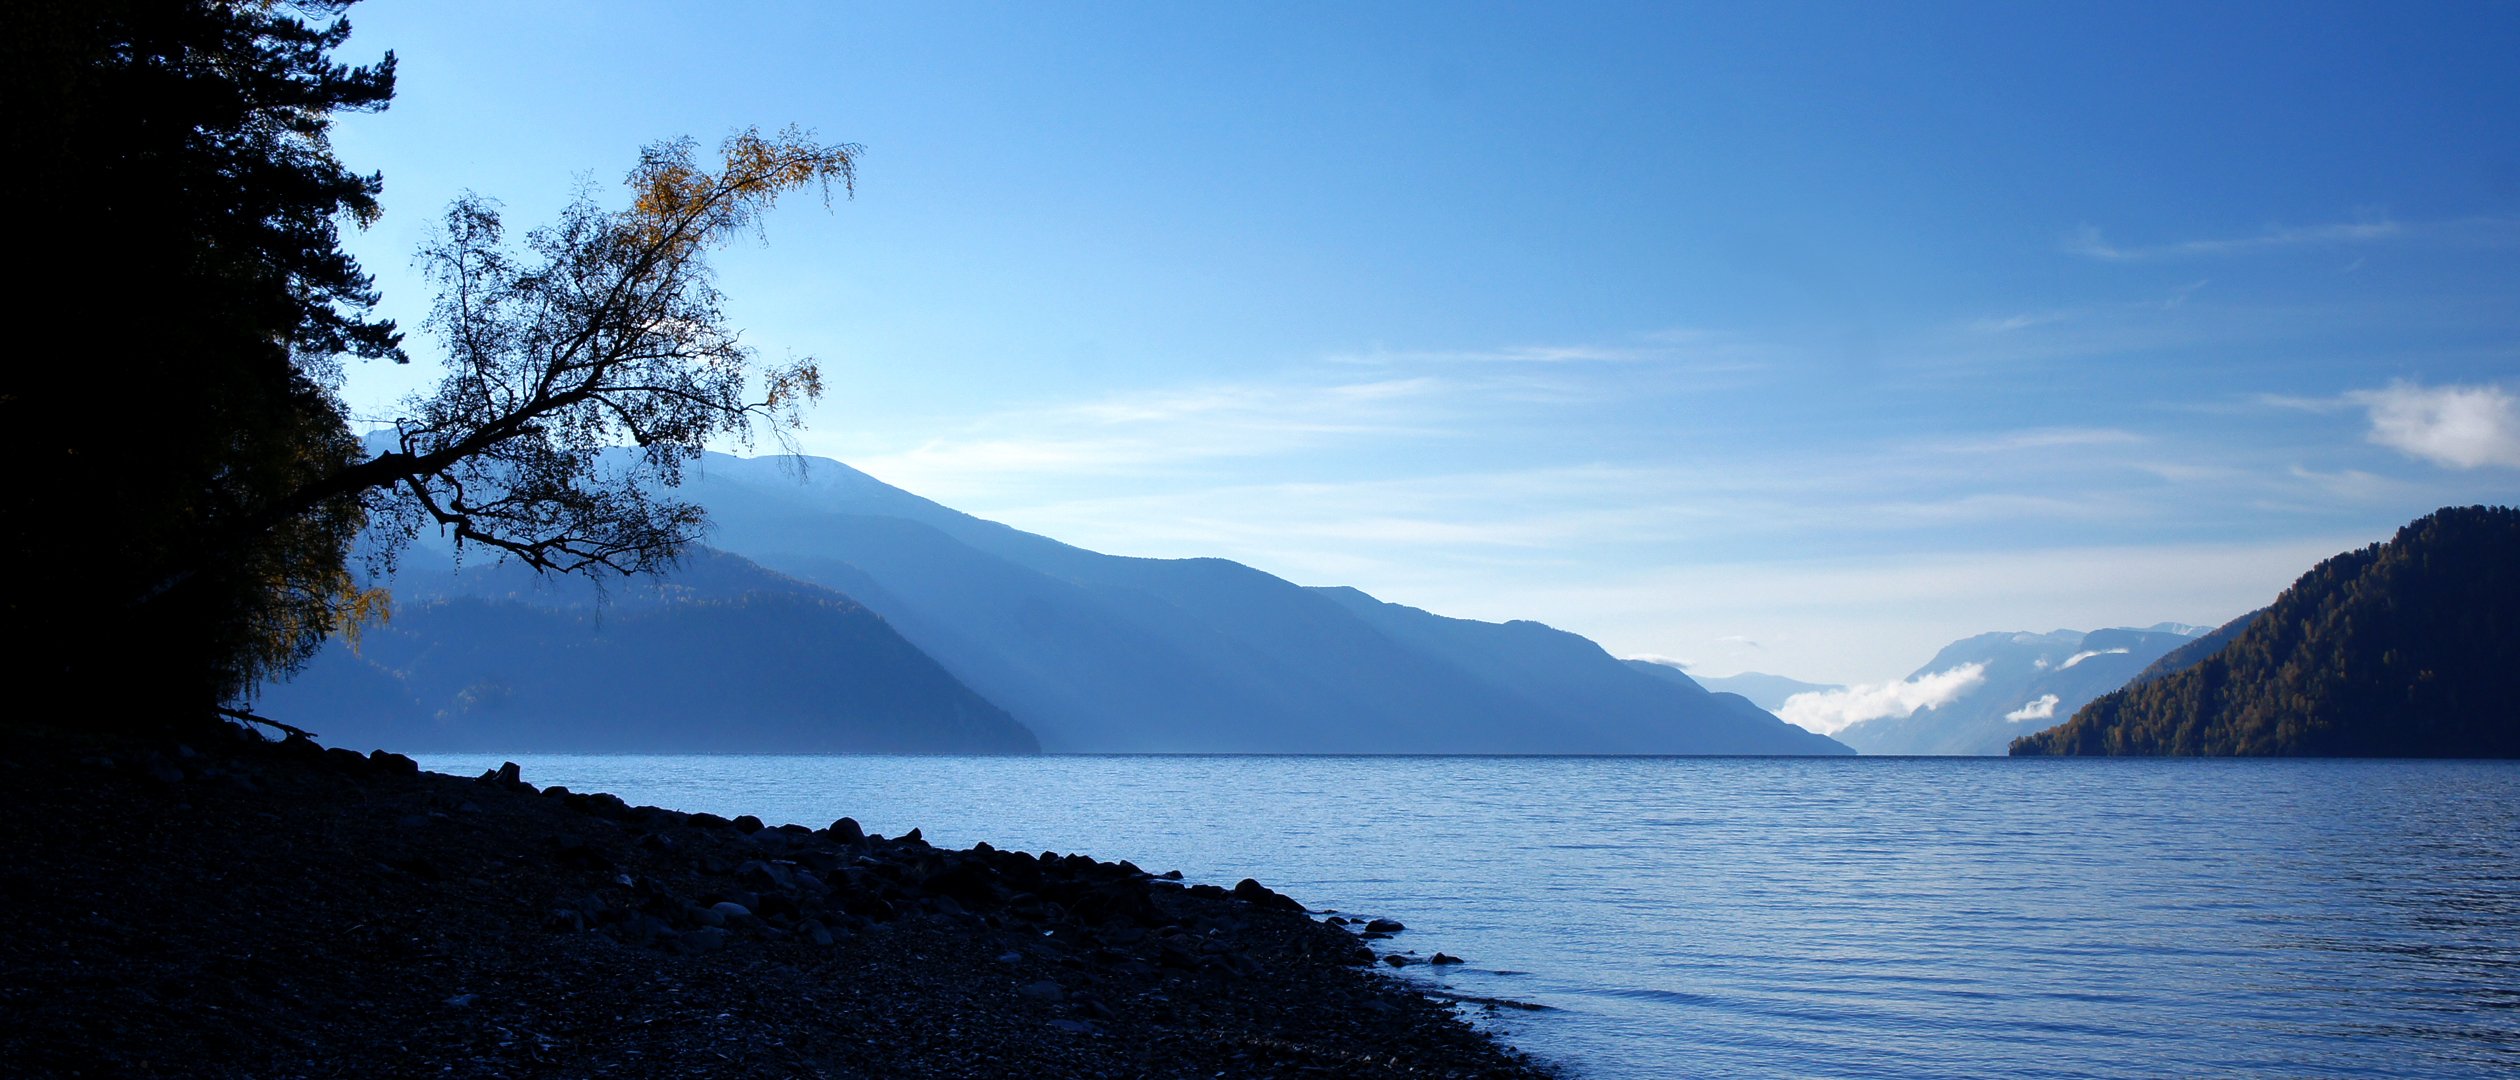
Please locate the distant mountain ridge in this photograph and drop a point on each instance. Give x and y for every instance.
(1102, 653)
(2409, 648)
(820, 571)
(724, 656)
(2206, 643)
(2026, 680)
(1765, 691)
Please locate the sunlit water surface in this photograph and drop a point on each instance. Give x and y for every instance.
(1871, 917)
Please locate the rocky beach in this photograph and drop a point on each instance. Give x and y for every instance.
(220, 904)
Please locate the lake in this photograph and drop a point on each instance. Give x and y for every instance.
(1760, 917)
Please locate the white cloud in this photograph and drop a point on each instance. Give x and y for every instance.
(2088, 242)
(2082, 656)
(2464, 427)
(1826, 711)
(2044, 708)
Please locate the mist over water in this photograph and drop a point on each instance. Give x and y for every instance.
(1861, 917)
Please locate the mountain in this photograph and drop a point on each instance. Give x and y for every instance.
(1103, 653)
(2206, 643)
(1765, 691)
(724, 656)
(2022, 679)
(2405, 649)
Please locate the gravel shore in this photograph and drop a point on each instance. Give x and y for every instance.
(220, 905)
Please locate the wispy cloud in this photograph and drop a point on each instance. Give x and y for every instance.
(2299, 403)
(1700, 352)
(2006, 324)
(2355, 485)
(1517, 354)
(2006, 442)
(1827, 711)
(1994, 326)
(2089, 242)
(1166, 429)
(2087, 654)
(2463, 427)
(2041, 708)
(1820, 618)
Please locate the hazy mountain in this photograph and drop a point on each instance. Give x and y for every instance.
(722, 657)
(2024, 681)
(2186, 630)
(1765, 691)
(1105, 653)
(2403, 649)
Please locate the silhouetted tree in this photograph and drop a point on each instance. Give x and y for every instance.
(176, 336)
(191, 486)
(605, 331)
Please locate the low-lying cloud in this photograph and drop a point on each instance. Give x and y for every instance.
(2041, 708)
(2086, 655)
(2464, 427)
(1827, 711)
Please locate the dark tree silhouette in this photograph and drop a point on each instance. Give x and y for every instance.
(606, 331)
(176, 337)
(191, 485)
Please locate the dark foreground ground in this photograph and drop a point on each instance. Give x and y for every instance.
(224, 906)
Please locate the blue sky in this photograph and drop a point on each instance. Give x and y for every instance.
(1801, 339)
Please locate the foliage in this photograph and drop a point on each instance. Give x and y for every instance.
(177, 193)
(606, 330)
(2401, 649)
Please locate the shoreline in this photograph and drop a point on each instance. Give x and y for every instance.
(226, 905)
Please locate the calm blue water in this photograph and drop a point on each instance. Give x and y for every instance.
(1866, 917)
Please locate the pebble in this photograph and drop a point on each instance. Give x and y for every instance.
(1112, 942)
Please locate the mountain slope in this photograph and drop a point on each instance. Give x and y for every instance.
(1103, 653)
(1586, 686)
(2194, 652)
(2405, 649)
(1765, 691)
(2024, 680)
(723, 657)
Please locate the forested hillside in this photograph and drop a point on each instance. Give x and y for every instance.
(2405, 649)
